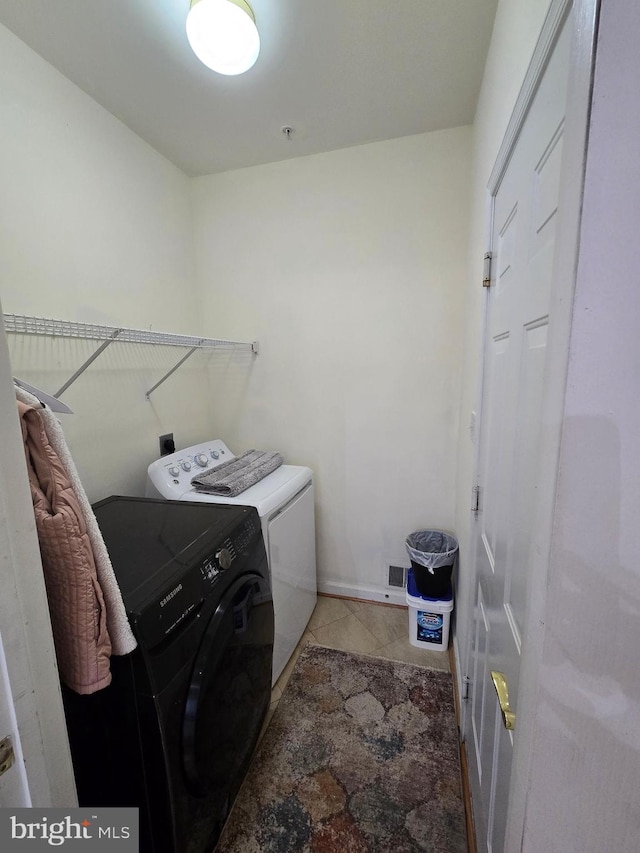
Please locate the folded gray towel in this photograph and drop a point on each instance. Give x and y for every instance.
(232, 478)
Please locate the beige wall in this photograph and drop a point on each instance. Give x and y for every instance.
(95, 226)
(348, 267)
(351, 269)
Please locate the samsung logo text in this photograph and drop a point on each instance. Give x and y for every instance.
(171, 595)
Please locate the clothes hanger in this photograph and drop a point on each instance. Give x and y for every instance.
(46, 399)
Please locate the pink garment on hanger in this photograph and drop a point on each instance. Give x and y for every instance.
(76, 602)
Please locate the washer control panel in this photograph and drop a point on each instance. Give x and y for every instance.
(171, 475)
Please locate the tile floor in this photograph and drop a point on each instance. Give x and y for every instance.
(362, 627)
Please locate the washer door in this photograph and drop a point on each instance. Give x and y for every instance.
(229, 693)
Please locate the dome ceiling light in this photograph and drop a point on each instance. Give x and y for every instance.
(223, 35)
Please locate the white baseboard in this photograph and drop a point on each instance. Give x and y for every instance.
(389, 596)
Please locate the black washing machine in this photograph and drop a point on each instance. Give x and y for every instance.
(174, 732)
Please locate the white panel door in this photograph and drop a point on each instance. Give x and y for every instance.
(524, 220)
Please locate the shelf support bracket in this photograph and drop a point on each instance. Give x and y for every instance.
(89, 361)
(173, 370)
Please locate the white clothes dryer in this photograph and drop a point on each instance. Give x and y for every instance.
(284, 501)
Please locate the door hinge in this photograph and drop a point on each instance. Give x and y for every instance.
(466, 681)
(475, 499)
(486, 275)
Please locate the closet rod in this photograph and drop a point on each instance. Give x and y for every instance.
(20, 324)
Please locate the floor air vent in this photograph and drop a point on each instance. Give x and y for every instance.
(397, 576)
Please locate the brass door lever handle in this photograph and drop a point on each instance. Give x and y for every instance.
(500, 683)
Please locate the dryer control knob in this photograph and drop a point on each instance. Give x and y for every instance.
(186, 466)
(224, 558)
(214, 454)
(174, 471)
(201, 460)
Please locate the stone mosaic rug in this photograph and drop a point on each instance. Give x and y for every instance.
(361, 756)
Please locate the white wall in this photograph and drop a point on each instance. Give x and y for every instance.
(95, 226)
(348, 267)
(584, 782)
(516, 29)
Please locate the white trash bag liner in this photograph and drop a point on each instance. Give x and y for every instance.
(432, 548)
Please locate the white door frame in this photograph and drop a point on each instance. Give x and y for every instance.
(584, 29)
(14, 786)
(45, 776)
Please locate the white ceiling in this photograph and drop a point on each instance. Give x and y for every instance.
(341, 72)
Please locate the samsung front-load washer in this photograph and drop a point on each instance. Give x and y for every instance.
(284, 500)
(174, 732)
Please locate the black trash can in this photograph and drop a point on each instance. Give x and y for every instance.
(432, 554)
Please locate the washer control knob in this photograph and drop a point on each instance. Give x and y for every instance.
(186, 466)
(224, 558)
(174, 471)
(214, 454)
(201, 460)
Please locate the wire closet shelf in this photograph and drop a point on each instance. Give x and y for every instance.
(20, 324)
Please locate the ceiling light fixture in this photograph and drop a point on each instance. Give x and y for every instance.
(223, 35)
